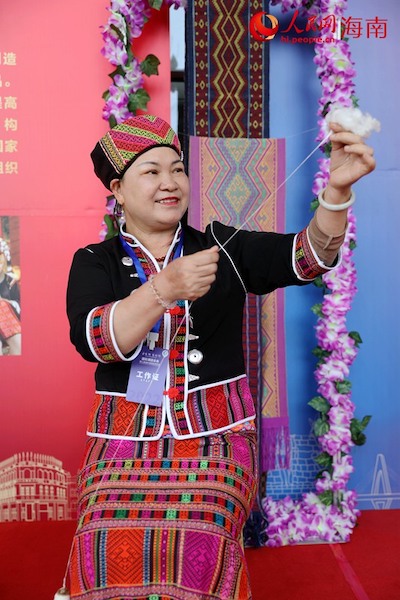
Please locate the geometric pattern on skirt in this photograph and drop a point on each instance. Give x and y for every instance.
(9, 322)
(163, 520)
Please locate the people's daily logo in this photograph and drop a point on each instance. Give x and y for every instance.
(322, 28)
(259, 30)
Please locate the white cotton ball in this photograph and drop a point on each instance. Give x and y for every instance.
(353, 119)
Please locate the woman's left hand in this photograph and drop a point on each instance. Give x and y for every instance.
(351, 158)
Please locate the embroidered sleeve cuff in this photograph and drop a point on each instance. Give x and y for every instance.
(100, 334)
(306, 263)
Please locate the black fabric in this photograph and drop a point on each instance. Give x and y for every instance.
(8, 291)
(104, 170)
(263, 260)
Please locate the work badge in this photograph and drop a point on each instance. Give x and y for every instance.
(147, 376)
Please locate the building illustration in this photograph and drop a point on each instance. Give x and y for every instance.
(381, 495)
(299, 478)
(35, 487)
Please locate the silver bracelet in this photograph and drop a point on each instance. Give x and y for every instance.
(160, 300)
(336, 207)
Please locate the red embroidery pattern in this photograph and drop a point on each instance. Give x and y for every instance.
(306, 264)
(100, 334)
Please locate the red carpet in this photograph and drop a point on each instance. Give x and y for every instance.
(33, 558)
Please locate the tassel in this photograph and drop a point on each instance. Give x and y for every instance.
(62, 594)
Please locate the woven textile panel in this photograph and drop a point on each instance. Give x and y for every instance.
(235, 181)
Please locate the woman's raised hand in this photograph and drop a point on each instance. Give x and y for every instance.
(188, 277)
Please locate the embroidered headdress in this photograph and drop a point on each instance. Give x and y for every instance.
(117, 150)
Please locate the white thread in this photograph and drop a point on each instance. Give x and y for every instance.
(277, 189)
(289, 137)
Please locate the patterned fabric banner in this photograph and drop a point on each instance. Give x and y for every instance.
(230, 180)
(227, 70)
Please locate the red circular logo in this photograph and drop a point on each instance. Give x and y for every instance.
(259, 31)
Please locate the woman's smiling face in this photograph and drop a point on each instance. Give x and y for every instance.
(154, 191)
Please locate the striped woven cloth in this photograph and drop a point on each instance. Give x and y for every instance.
(163, 520)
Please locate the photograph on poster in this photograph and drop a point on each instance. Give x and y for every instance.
(10, 296)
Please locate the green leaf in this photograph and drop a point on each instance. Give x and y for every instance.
(359, 439)
(343, 387)
(324, 459)
(326, 497)
(365, 421)
(357, 426)
(320, 404)
(321, 426)
(355, 101)
(118, 71)
(156, 4)
(130, 54)
(328, 149)
(352, 245)
(322, 472)
(149, 65)
(356, 429)
(111, 227)
(314, 204)
(319, 282)
(138, 100)
(356, 337)
(309, 4)
(118, 32)
(326, 108)
(320, 352)
(317, 309)
(112, 121)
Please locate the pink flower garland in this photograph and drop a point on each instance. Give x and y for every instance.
(126, 94)
(328, 514)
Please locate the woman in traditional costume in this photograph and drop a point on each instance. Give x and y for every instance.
(10, 322)
(169, 474)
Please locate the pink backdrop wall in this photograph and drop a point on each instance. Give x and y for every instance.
(58, 80)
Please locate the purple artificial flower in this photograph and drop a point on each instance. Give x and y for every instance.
(117, 20)
(114, 50)
(338, 439)
(132, 80)
(136, 12)
(347, 404)
(289, 5)
(336, 303)
(116, 105)
(343, 468)
(339, 417)
(333, 369)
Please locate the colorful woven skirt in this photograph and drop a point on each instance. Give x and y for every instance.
(163, 520)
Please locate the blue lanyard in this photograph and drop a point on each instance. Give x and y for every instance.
(139, 268)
